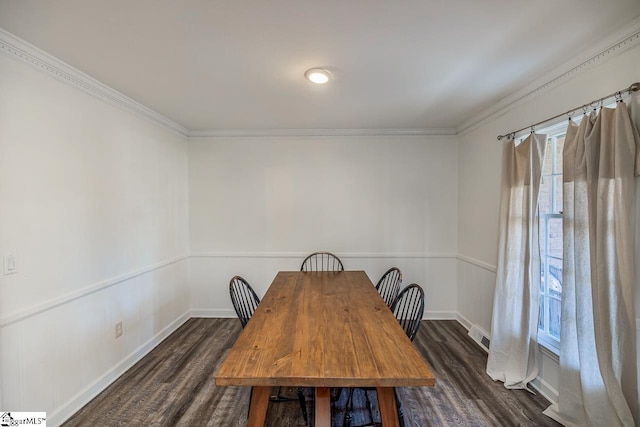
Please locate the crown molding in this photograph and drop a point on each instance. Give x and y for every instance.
(617, 42)
(22, 50)
(319, 133)
(623, 39)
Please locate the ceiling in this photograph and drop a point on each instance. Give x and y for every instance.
(239, 65)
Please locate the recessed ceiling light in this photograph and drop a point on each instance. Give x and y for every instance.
(318, 76)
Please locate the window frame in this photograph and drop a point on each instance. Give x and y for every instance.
(548, 343)
(544, 336)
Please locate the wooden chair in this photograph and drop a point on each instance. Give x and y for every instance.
(389, 285)
(322, 261)
(245, 301)
(408, 308)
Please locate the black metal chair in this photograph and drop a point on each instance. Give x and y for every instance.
(322, 261)
(408, 308)
(389, 285)
(245, 301)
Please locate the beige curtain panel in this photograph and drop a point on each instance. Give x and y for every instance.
(513, 355)
(598, 378)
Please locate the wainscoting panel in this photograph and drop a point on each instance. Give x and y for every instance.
(59, 358)
(210, 275)
(476, 285)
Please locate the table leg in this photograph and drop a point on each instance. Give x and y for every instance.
(323, 407)
(258, 406)
(387, 403)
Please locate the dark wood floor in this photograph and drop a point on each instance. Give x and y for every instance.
(174, 386)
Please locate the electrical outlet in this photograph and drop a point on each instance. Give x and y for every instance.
(118, 329)
(9, 263)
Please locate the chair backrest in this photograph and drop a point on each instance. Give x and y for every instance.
(389, 285)
(409, 308)
(244, 299)
(322, 261)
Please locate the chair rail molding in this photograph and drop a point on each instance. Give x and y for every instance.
(477, 263)
(22, 50)
(339, 254)
(80, 293)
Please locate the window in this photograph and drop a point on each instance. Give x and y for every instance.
(550, 229)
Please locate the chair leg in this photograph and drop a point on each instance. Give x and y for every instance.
(400, 410)
(369, 408)
(348, 409)
(303, 405)
(336, 394)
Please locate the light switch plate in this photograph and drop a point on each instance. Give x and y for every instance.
(9, 262)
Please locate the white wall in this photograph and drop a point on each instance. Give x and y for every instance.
(97, 205)
(94, 207)
(258, 205)
(479, 166)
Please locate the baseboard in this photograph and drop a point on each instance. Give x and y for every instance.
(223, 313)
(539, 384)
(463, 321)
(543, 387)
(86, 395)
(74, 404)
(439, 315)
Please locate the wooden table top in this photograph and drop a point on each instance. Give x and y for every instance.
(323, 329)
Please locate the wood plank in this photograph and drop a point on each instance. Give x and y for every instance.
(318, 329)
(173, 385)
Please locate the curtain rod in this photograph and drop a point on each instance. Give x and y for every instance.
(633, 88)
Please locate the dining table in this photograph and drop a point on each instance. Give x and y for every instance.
(322, 330)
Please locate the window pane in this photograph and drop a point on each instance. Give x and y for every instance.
(548, 154)
(554, 318)
(543, 240)
(559, 147)
(558, 190)
(554, 280)
(550, 236)
(544, 198)
(557, 197)
(555, 237)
